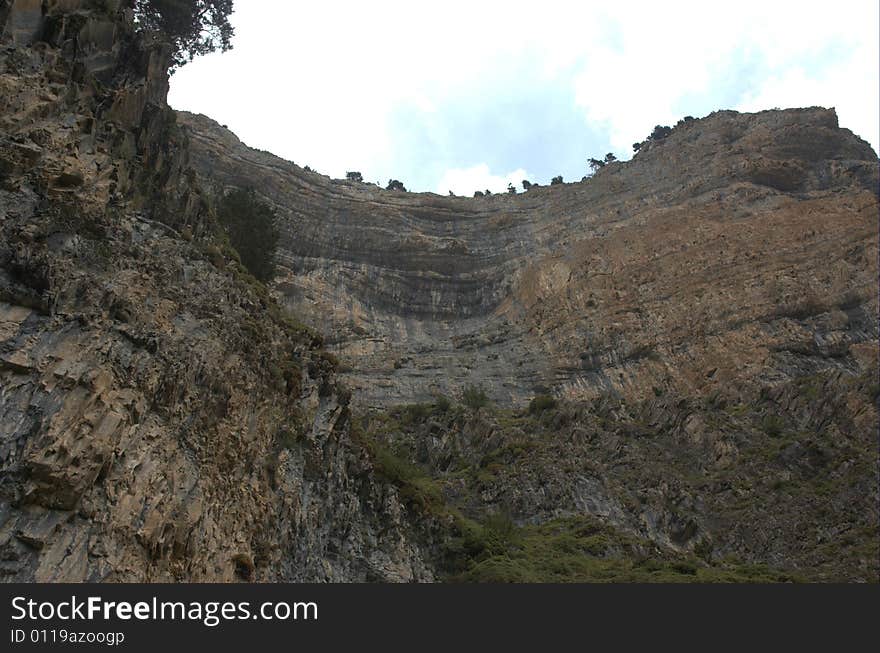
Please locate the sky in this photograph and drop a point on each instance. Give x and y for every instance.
(473, 95)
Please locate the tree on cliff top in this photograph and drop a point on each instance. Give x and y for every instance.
(192, 27)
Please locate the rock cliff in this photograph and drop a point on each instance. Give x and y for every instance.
(679, 353)
(160, 418)
(740, 249)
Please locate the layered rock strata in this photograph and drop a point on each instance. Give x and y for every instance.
(741, 249)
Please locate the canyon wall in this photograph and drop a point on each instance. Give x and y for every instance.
(704, 317)
(160, 418)
(739, 250)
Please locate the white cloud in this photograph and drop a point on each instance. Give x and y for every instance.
(856, 98)
(320, 83)
(464, 181)
(670, 52)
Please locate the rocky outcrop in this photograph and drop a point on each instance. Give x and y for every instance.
(740, 249)
(160, 418)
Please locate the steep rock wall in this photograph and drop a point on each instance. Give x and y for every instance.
(160, 418)
(738, 250)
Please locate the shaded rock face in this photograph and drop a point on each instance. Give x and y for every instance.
(147, 430)
(740, 249)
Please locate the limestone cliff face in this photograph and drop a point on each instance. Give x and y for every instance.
(740, 250)
(160, 419)
(706, 312)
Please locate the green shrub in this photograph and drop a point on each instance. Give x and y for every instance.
(474, 397)
(541, 403)
(414, 486)
(772, 425)
(250, 224)
(330, 358)
(660, 132)
(442, 403)
(415, 413)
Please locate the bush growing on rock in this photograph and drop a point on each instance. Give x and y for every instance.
(394, 184)
(526, 184)
(474, 397)
(354, 176)
(541, 403)
(442, 403)
(250, 224)
(660, 132)
(556, 180)
(192, 27)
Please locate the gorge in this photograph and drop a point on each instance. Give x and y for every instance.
(676, 358)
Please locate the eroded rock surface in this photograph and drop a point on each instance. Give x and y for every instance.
(740, 249)
(160, 419)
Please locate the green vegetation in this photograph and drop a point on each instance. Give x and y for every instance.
(597, 164)
(394, 184)
(354, 176)
(581, 549)
(417, 489)
(541, 403)
(250, 225)
(660, 132)
(772, 425)
(192, 27)
(442, 403)
(556, 180)
(459, 470)
(474, 397)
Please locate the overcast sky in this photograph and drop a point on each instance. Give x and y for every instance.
(468, 95)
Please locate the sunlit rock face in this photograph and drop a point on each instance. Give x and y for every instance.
(742, 248)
